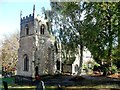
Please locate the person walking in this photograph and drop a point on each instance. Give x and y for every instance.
(39, 83)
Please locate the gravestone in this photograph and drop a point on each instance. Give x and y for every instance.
(59, 87)
(5, 85)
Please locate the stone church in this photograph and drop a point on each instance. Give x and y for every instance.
(37, 51)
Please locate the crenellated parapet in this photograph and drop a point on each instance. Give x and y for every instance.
(27, 19)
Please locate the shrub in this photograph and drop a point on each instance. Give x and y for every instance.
(96, 67)
(113, 69)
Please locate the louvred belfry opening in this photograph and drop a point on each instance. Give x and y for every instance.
(42, 29)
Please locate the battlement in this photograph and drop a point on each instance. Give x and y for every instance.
(27, 19)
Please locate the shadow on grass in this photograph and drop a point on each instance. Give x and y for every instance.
(75, 83)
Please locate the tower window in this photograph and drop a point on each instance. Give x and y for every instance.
(42, 29)
(27, 29)
(26, 62)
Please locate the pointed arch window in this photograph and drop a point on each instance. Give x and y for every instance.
(26, 62)
(76, 67)
(42, 29)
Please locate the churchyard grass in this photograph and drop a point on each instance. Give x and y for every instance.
(112, 87)
(13, 86)
(16, 87)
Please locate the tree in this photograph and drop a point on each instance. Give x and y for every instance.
(98, 30)
(101, 22)
(118, 14)
(9, 54)
(116, 54)
(70, 29)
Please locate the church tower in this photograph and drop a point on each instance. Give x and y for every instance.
(36, 54)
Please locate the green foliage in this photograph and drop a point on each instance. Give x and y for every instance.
(116, 57)
(101, 29)
(98, 29)
(69, 28)
(113, 69)
(96, 67)
(62, 21)
(109, 70)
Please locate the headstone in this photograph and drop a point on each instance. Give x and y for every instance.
(59, 87)
(5, 85)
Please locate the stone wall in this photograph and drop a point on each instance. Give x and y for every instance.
(26, 47)
(33, 45)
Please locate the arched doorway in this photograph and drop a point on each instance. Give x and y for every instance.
(58, 64)
(36, 70)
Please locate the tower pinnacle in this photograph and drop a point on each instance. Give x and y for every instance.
(20, 14)
(33, 9)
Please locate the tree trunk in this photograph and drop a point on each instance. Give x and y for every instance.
(81, 59)
(110, 42)
(110, 47)
(118, 26)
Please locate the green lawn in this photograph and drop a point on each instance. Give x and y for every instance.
(12, 86)
(30, 87)
(65, 88)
